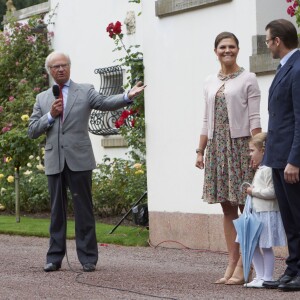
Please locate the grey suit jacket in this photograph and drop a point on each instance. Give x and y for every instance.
(69, 140)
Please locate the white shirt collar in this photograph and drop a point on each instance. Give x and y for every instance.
(287, 56)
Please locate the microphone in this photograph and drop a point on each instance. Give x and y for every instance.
(55, 91)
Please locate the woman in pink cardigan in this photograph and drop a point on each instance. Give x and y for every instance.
(231, 116)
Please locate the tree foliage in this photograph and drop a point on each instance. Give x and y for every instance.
(22, 75)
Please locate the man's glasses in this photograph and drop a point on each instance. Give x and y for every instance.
(267, 41)
(57, 67)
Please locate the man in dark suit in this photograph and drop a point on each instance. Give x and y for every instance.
(69, 157)
(283, 142)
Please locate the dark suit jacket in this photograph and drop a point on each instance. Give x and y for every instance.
(283, 140)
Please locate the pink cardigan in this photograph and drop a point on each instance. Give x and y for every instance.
(242, 96)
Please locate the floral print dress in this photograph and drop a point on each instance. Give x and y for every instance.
(227, 159)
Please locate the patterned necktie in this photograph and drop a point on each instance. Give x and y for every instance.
(62, 97)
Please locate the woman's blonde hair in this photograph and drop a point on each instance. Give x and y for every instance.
(259, 140)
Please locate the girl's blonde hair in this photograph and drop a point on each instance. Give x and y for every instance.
(259, 140)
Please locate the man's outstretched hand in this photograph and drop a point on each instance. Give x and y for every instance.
(136, 90)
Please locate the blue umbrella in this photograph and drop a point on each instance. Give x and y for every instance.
(248, 228)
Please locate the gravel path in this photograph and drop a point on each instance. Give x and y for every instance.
(122, 273)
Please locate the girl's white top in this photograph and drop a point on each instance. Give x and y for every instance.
(263, 193)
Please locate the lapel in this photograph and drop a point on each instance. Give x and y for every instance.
(72, 96)
(49, 99)
(283, 72)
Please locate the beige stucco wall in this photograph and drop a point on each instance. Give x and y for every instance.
(194, 231)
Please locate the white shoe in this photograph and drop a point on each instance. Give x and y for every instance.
(256, 283)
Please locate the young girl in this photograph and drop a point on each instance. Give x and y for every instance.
(265, 207)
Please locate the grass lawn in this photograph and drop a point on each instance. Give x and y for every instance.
(123, 235)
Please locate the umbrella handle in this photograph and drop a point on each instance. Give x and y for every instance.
(245, 183)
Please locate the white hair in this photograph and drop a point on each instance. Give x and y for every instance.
(50, 56)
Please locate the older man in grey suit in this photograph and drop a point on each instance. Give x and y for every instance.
(69, 157)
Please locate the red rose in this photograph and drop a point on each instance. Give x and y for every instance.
(110, 29)
(291, 11)
(113, 29)
(117, 28)
(125, 114)
(119, 122)
(132, 111)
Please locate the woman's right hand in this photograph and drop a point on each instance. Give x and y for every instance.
(200, 161)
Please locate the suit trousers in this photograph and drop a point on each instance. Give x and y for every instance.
(79, 184)
(288, 196)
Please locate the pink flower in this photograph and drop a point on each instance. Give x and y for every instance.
(295, 5)
(36, 89)
(31, 39)
(25, 27)
(289, 1)
(11, 98)
(51, 34)
(23, 81)
(1, 109)
(5, 129)
(17, 63)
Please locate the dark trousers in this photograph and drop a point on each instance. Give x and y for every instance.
(80, 184)
(288, 196)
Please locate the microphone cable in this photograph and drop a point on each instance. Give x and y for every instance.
(56, 93)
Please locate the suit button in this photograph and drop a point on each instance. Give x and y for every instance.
(62, 147)
(273, 114)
